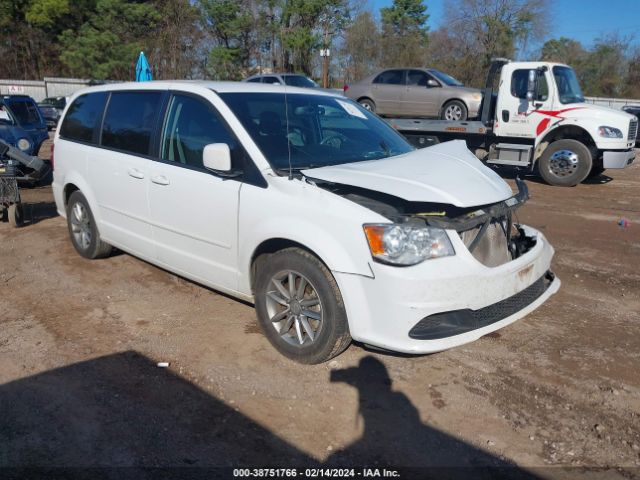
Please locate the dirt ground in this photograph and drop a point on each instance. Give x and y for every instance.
(558, 390)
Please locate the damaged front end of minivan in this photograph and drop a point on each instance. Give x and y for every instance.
(497, 271)
(488, 231)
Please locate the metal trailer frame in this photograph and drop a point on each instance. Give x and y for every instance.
(10, 160)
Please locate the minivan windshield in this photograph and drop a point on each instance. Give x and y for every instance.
(307, 131)
(446, 79)
(568, 86)
(299, 81)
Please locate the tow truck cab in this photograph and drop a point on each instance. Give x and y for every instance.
(535, 113)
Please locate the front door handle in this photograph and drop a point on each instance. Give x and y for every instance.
(160, 180)
(135, 173)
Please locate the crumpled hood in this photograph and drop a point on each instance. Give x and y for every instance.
(445, 173)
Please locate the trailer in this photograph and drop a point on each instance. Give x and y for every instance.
(533, 116)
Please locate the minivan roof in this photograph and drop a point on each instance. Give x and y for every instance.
(198, 85)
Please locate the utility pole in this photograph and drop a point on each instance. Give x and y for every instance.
(325, 53)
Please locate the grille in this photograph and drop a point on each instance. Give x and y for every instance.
(633, 130)
(492, 249)
(446, 324)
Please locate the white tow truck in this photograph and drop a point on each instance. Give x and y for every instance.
(534, 114)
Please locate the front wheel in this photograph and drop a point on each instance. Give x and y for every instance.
(299, 306)
(454, 110)
(83, 230)
(565, 163)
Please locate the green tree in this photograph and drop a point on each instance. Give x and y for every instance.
(604, 70)
(404, 33)
(230, 24)
(107, 45)
(562, 50)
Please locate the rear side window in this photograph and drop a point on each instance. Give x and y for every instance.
(130, 120)
(191, 125)
(274, 80)
(82, 117)
(391, 77)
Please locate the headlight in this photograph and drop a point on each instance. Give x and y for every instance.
(610, 132)
(407, 244)
(24, 144)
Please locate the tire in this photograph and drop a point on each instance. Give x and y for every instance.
(565, 163)
(454, 110)
(83, 230)
(368, 104)
(15, 215)
(327, 319)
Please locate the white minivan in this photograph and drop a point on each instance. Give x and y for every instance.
(305, 204)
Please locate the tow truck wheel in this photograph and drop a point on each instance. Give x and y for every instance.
(565, 163)
(15, 213)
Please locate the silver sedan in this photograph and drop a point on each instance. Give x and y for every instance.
(416, 92)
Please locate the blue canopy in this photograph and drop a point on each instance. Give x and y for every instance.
(143, 70)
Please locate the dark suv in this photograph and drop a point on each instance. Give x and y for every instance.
(21, 124)
(634, 110)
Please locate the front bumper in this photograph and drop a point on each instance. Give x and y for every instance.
(382, 311)
(618, 159)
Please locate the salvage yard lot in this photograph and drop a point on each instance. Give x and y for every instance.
(80, 340)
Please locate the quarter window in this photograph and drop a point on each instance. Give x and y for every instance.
(191, 125)
(391, 77)
(83, 116)
(130, 120)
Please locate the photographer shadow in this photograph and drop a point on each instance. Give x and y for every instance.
(395, 435)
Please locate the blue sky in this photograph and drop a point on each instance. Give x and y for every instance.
(584, 20)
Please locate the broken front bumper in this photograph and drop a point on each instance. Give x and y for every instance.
(384, 310)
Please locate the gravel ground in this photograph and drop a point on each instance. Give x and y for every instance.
(553, 395)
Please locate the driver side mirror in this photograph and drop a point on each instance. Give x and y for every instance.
(532, 86)
(217, 158)
(432, 83)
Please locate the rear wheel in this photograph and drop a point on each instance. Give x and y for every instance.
(454, 110)
(565, 163)
(299, 306)
(367, 104)
(83, 230)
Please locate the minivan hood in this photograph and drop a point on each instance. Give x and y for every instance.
(445, 173)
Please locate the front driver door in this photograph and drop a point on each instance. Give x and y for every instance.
(419, 98)
(519, 117)
(193, 211)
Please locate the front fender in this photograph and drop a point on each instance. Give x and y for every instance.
(328, 225)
